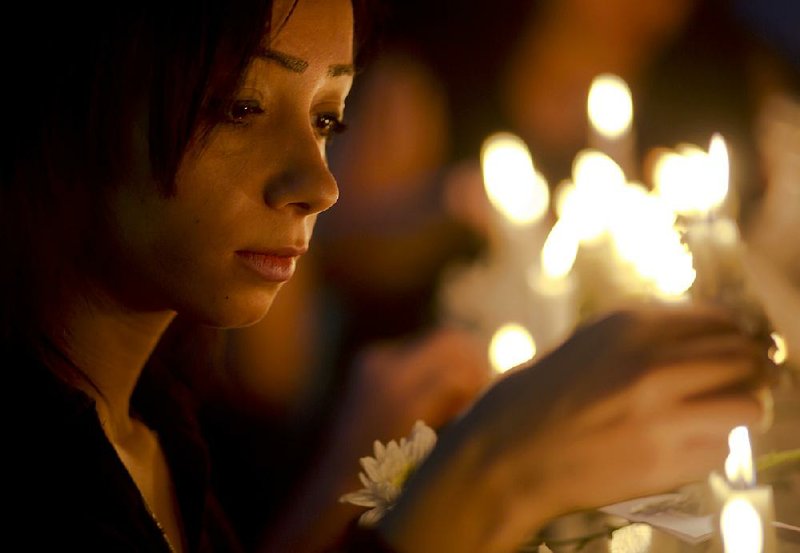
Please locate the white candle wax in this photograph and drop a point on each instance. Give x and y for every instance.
(555, 310)
(761, 500)
(555, 288)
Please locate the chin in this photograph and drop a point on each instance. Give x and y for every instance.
(233, 311)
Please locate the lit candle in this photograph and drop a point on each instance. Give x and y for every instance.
(779, 352)
(713, 238)
(610, 109)
(520, 197)
(719, 173)
(555, 285)
(511, 346)
(693, 182)
(742, 530)
(590, 209)
(746, 509)
(598, 182)
(644, 236)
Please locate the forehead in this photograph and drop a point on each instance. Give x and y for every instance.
(313, 29)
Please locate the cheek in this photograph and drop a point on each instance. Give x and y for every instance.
(203, 227)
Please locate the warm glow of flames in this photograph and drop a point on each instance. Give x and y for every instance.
(739, 464)
(511, 345)
(719, 169)
(559, 252)
(586, 205)
(595, 169)
(561, 196)
(691, 181)
(779, 353)
(677, 278)
(643, 233)
(674, 182)
(512, 184)
(610, 106)
(742, 530)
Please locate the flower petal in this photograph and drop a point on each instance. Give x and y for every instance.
(362, 498)
(372, 468)
(371, 517)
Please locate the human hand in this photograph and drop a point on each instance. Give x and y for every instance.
(392, 385)
(637, 403)
(432, 379)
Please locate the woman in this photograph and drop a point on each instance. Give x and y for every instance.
(169, 157)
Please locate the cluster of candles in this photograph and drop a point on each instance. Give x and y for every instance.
(633, 241)
(626, 233)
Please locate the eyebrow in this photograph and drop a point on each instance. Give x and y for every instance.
(340, 69)
(298, 65)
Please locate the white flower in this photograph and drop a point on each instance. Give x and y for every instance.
(385, 474)
(633, 538)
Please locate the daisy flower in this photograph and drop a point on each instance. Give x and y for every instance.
(385, 473)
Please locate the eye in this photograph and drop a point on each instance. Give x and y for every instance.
(240, 110)
(328, 124)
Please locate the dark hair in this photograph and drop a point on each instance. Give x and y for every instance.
(93, 90)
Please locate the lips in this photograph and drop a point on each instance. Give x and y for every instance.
(274, 265)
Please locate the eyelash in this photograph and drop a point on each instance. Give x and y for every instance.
(326, 124)
(245, 109)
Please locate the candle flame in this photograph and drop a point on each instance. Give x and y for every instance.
(595, 169)
(642, 230)
(511, 345)
(718, 171)
(741, 527)
(561, 196)
(692, 181)
(674, 182)
(559, 251)
(512, 184)
(739, 464)
(610, 106)
(586, 205)
(779, 353)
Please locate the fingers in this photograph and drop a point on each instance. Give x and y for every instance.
(672, 322)
(449, 363)
(698, 420)
(675, 387)
(434, 378)
(677, 382)
(605, 357)
(660, 450)
(695, 437)
(727, 345)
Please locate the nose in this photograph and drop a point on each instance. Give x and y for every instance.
(305, 184)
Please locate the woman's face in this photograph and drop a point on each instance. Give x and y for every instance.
(246, 201)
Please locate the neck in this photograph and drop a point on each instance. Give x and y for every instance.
(110, 343)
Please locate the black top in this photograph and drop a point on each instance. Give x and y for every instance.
(68, 487)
